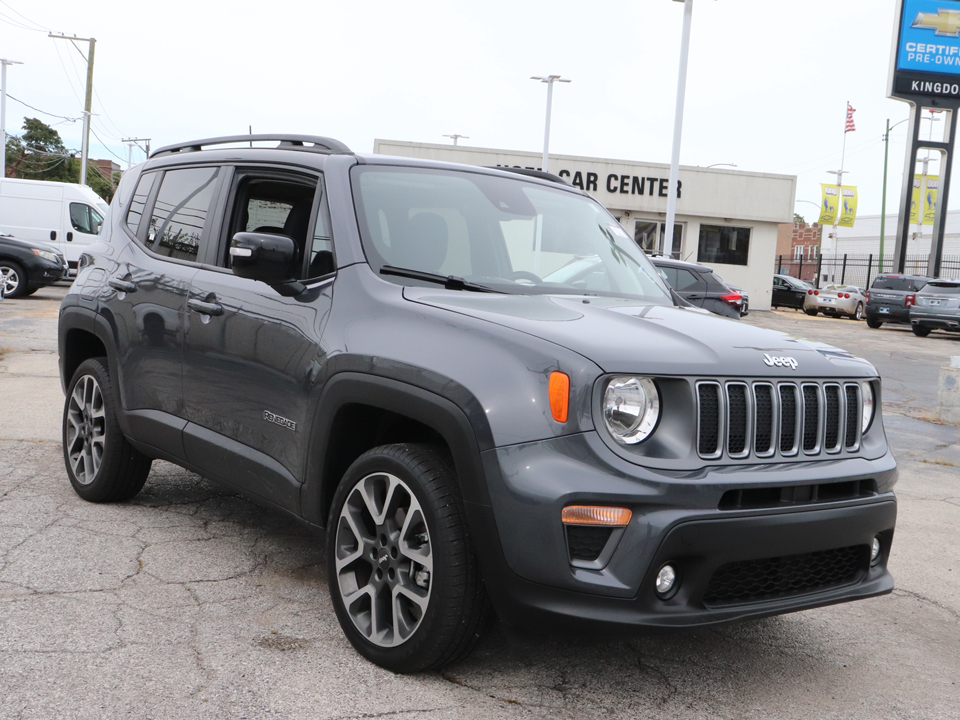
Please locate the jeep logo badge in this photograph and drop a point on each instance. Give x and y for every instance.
(779, 361)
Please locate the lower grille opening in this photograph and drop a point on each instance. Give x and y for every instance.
(586, 543)
(754, 580)
(771, 497)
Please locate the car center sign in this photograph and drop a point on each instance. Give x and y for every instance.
(926, 52)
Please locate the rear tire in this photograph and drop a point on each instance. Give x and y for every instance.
(402, 574)
(920, 331)
(101, 464)
(873, 323)
(810, 311)
(13, 280)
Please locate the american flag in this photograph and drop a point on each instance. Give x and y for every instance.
(850, 127)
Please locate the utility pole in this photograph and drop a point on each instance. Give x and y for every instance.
(130, 142)
(674, 180)
(3, 113)
(88, 103)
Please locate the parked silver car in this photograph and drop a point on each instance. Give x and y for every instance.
(937, 308)
(836, 300)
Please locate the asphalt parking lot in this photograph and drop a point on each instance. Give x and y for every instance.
(190, 602)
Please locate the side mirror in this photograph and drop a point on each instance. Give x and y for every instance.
(264, 257)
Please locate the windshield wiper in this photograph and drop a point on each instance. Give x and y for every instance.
(450, 282)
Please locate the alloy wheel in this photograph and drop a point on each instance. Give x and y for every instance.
(384, 560)
(9, 281)
(86, 429)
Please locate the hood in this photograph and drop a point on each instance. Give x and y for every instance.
(28, 244)
(623, 336)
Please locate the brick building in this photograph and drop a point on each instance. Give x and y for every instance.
(798, 247)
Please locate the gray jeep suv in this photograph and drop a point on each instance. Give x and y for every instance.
(371, 345)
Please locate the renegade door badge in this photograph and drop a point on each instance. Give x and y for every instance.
(281, 421)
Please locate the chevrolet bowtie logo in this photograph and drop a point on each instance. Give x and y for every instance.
(945, 22)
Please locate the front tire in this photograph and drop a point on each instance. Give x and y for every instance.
(858, 313)
(101, 464)
(13, 280)
(403, 577)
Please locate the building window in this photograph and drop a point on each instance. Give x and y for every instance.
(650, 235)
(812, 251)
(724, 245)
(798, 252)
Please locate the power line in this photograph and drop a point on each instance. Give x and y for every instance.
(16, 23)
(105, 146)
(13, 9)
(62, 117)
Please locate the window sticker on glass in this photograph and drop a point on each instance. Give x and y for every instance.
(617, 229)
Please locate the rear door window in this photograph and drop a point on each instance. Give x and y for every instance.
(179, 224)
(903, 284)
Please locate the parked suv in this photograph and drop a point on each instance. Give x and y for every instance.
(368, 344)
(699, 285)
(891, 296)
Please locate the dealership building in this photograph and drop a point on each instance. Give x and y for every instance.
(725, 218)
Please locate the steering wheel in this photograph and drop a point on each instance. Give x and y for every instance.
(524, 275)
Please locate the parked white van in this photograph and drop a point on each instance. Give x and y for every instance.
(66, 215)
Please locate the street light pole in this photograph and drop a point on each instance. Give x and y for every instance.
(549, 80)
(3, 113)
(457, 137)
(678, 125)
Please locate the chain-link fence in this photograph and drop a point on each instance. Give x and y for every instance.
(858, 269)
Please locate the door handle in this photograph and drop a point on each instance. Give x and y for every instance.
(122, 285)
(205, 308)
(69, 237)
(53, 234)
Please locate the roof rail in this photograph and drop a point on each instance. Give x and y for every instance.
(533, 173)
(311, 143)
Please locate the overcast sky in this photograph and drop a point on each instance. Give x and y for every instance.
(767, 85)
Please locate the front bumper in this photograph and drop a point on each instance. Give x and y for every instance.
(677, 519)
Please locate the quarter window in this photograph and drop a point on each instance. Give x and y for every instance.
(724, 245)
(179, 219)
(139, 201)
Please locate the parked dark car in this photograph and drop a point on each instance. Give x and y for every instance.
(937, 308)
(745, 304)
(26, 266)
(370, 345)
(891, 296)
(789, 292)
(700, 286)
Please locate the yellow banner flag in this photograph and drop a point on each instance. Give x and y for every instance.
(923, 207)
(848, 206)
(829, 205)
(930, 199)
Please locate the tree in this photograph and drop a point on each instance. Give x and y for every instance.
(39, 154)
(798, 219)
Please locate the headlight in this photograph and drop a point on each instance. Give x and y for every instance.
(869, 405)
(46, 255)
(631, 408)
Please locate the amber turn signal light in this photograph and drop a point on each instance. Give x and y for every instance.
(597, 515)
(559, 396)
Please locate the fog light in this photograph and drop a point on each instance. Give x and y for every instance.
(874, 551)
(666, 580)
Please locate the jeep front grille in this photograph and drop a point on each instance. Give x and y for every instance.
(762, 419)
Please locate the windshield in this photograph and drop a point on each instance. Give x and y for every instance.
(506, 234)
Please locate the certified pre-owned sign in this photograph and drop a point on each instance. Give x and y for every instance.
(926, 60)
